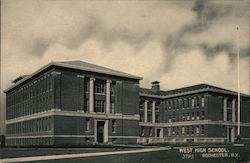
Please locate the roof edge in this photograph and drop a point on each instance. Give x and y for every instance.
(63, 65)
(97, 71)
(195, 91)
(30, 76)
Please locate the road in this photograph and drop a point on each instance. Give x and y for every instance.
(145, 155)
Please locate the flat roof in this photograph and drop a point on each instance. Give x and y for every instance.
(187, 90)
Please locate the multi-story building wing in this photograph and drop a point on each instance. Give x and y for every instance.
(72, 103)
(76, 103)
(200, 113)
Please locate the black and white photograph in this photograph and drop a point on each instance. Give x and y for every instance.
(131, 81)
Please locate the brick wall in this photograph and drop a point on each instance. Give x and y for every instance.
(215, 108)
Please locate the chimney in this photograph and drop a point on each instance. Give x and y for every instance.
(156, 86)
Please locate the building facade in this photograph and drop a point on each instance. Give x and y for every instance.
(75, 103)
(72, 103)
(200, 114)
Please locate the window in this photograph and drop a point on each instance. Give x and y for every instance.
(141, 117)
(177, 130)
(188, 130)
(50, 83)
(49, 123)
(202, 129)
(150, 131)
(177, 117)
(169, 131)
(86, 85)
(112, 107)
(188, 103)
(150, 105)
(113, 126)
(192, 115)
(202, 115)
(112, 89)
(173, 130)
(142, 131)
(156, 118)
(158, 132)
(181, 104)
(192, 102)
(183, 116)
(198, 101)
(99, 87)
(86, 105)
(167, 105)
(169, 118)
(202, 102)
(192, 130)
(197, 130)
(157, 106)
(40, 124)
(170, 105)
(87, 124)
(188, 117)
(197, 115)
(183, 130)
(141, 105)
(99, 106)
(149, 118)
(175, 104)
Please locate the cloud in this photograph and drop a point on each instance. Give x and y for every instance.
(44, 23)
(196, 67)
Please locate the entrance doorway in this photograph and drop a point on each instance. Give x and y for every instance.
(159, 133)
(100, 131)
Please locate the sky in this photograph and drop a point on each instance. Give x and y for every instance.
(177, 42)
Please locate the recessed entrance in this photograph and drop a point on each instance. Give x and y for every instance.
(159, 132)
(100, 131)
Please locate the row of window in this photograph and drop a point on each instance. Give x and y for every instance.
(189, 116)
(100, 106)
(42, 102)
(182, 103)
(150, 105)
(177, 130)
(31, 126)
(30, 141)
(149, 118)
(33, 89)
(186, 130)
(99, 86)
(31, 106)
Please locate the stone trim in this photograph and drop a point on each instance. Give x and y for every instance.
(124, 137)
(54, 112)
(187, 123)
(42, 136)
